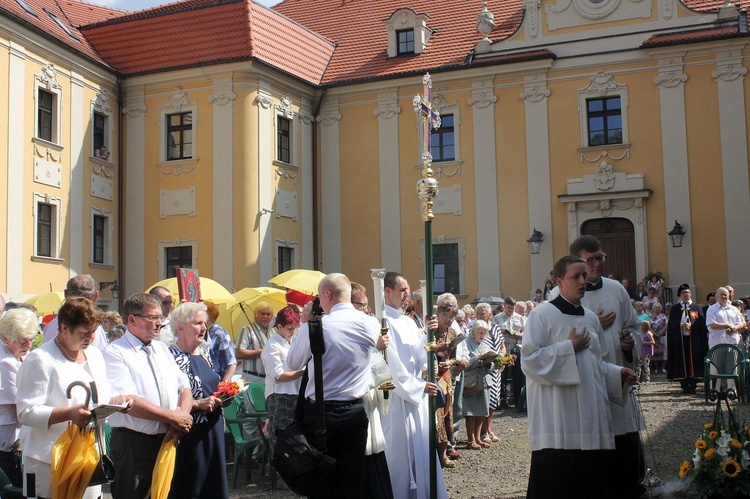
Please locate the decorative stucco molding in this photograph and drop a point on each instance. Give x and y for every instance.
(482, 100)
(101, 102)
(284, 107)
(601, 83)
(221, 98)
(387, 111)
(604, 179)
(306, 117)
(729, 72)
(535, 94)
(134, 110)
(328, 118)
(671, 79)
(264, 101)
(48, 78)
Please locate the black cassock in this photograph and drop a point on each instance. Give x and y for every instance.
(686, 353)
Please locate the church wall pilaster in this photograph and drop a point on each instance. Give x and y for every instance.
(390, 212)
(75, 203)
(535, 96)
(671, 81)
(730, 75)
(330, 192)
(482, 104)
(135, 125)
(307, 122)
(266, 128)
(222, 100)
(15, 192)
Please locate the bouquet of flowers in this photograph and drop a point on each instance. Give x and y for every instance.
(720, 466)
(228, 389)
(504, 360)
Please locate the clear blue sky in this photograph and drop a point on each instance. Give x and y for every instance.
(145, 4)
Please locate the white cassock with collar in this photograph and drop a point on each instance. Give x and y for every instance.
(407, 424)
(610, 296)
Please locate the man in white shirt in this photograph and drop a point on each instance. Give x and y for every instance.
(146, 371)
(407, 423)
(569, 391)
(511, 324)
(724, 323)
(81, 285)
(349, 336)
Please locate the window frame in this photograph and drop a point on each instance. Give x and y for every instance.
(177, 102)
(440, 133)
(181, 128)
(602, 85)
(107, 237)
(605, 114)
(285, 243)
(54, 227)
(178, 242)
(280, 136)
(399, 42)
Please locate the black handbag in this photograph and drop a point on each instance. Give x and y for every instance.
(306, 469)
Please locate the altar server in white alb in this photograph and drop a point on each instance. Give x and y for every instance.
(569, 389)
(609, 300)
(407, 424)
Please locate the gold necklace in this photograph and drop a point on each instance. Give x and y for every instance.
(65, 351)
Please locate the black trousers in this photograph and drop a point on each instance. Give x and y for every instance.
(346, 430)
(628, 465)
(583, 474)
(134, 455)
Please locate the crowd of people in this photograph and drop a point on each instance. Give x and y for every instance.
(569, 356)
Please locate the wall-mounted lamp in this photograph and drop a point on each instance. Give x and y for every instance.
(535, 241)
(676, 234)
(110, 284)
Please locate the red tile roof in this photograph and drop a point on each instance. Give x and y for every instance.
(358, 27)
(71, 13)
(693, 36)
(200, 32)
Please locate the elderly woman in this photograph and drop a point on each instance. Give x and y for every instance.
(476, 382)
(496, 341)
(282, 383)
(447, 307)
(44, 409)
(659, 328)
(18, 328)
(221, 347)
(200, 467)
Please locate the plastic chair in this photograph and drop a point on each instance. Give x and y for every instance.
(7, 490)
(257, 395)
(735, 371)
(235, 420)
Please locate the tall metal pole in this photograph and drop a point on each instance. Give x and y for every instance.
(427, 189)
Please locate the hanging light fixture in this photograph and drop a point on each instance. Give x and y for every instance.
(676, 234)
(535, 241)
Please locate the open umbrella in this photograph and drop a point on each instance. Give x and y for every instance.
(305, 281)
(252, 296)
(235, 316)
(47, 303)
(210, 290)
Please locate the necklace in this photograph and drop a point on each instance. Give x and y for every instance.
(65, 351)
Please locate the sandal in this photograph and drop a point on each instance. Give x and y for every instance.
(485, 444)
(493, 437)
(474, 445)
(454, 454)
(448, 464)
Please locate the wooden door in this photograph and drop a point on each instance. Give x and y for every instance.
(618, 242)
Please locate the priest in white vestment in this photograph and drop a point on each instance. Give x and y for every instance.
(569, 389)
(407, 424)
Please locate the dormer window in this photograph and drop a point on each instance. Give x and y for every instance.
(405, 41)
(408, 33)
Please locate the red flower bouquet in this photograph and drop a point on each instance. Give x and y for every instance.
(227, 390)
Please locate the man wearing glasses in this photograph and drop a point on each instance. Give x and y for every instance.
(81, 285)
(609, 300)
(145, 370)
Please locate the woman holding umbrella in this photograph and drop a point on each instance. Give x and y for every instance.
(44, 408)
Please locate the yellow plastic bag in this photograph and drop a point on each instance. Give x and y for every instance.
(161, 480)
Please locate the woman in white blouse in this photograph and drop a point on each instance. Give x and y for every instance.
(44, 409)
(18, 328)
(282, 384)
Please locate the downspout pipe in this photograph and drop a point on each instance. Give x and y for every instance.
(315, 166)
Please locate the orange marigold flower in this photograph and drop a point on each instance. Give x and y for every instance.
(708, 426)
(700, 444)
(731, 468)
(684, 469)
(709, 453)
(713, 435)
(736, 443)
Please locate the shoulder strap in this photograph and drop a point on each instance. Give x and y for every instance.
(318, 347)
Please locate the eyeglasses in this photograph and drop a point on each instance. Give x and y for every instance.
(167, 302)
(359, 304)
(152, 318)
(599, 258)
